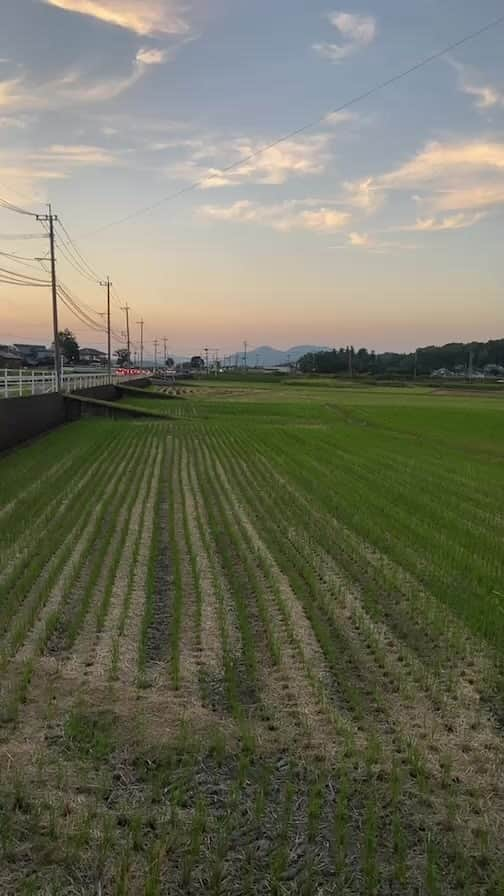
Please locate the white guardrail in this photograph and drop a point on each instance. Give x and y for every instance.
(18, 383)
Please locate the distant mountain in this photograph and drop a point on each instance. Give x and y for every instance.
(267, 356)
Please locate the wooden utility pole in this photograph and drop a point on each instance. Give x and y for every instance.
(108, 284)
(141, 325)
(50, 219)
(126, 308)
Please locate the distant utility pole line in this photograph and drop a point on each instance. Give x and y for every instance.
(141, 325)
(108, 284)
(50, 219)
(155, 343)
(126, 308)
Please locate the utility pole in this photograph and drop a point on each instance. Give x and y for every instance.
(156, 343)
(127, 309)
(108, 284)
(165, 344)
(245, 347)
(206, 350)
(350, 367)
(50, 219)
(415, 369)
(141, 324)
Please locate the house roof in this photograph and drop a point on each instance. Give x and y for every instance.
(7, 352)
(30, 348)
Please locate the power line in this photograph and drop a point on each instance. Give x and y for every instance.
(11, 282)
(70, 298)
(377, 88)
(25, 279)
(86, 317)
(8, 206)
(74, 310)
(72, 261)
(20, 259)
(85, 264)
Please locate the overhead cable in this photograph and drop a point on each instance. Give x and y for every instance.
(360, 97)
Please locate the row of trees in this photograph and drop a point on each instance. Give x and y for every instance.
(453, 356)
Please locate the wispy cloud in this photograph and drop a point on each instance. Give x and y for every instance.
(450, 222)
(307, 214)
(438, 170)
(366, 195)
(74, 155)
(29, 173)
(276, 165)
(143, 17)
(471, 83)
(478, 196)
(336, 118)
(438, 160)
(356, 32)
(19, 123)
(21, 177)
(151, 56)
(18, 94)
(358, 240)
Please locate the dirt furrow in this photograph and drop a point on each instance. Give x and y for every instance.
(66, 573)
(57, 468)
(210, 554)
(99, 656)
(189, 649)
(465, 750)
(436, 627)
(303, 680)
(129, 640)
(210, 650)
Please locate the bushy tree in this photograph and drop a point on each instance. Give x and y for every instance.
(123, 359)
(69, 346)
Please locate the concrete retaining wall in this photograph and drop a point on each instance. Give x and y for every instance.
(22, 419)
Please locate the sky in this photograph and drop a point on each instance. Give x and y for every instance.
(378, 225)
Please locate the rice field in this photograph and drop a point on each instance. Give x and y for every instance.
(257, 648)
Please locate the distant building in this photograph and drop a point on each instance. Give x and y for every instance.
(10, 358)
(92, 356)
(35, 355)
